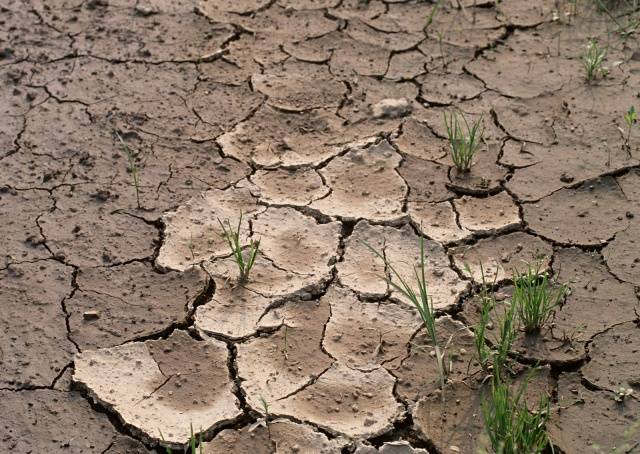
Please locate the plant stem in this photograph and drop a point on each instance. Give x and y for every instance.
(441, 370)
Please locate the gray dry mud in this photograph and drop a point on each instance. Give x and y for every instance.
(321, 121)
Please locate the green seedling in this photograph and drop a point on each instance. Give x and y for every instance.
(493, 356)
(507, 330)
(464, 144)
(195, 446)
(132, 167)
(630, 118)
(487, 301)
(535, 297)
(432, 15)
(593, 61)
(192, 442)
(482, 349)
(622, 393)
(233, 239)
(510, 426)
(190, 246)
(421, 300)
(167, 449)
(265, 408)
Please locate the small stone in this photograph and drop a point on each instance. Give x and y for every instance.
(566, 178)
(145, 11)
(91, 315)
(391, 108)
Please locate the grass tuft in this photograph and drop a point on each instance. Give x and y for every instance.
(535, 297)
(493, 356)
(511, 427)
(593, 61)
(233, 239)
(507, 331)
(488, 302)
(630, 118)
(421, 300)
(464, 144)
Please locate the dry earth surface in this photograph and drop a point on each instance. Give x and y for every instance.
(320, 120)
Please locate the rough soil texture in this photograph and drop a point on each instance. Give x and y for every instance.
(321, 121)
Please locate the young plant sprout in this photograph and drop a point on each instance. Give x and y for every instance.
(432, 15)
(630, 118)
(167, 449)
(493, 357)
(265, 408)
(507, 331)
(233, 239)
(195, 446)
(191, 247)
(192, 442)
(487, 298)
(482, 349)
(511, 427)
(464, 143)
(593, 61)
(421, 300)
(535, 297)
(132, 168)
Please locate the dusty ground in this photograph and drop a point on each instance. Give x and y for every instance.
(120, 322)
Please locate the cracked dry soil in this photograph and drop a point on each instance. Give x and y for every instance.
(320, 120)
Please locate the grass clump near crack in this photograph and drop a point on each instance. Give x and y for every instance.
(132, 167)
(507, 331)
(535, 297)
(493, 356)
(421, 300)
(488, 302)
(593, 61)
(265, 409)
(464, 143)
(511, 427)
(232, 236)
